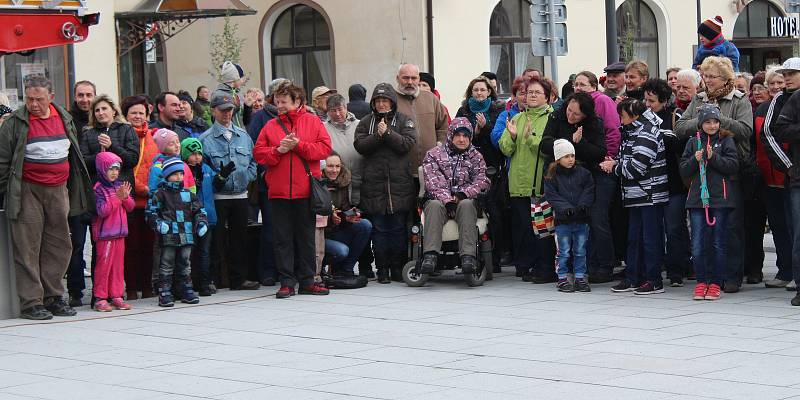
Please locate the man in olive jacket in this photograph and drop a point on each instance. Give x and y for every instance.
(43, 180)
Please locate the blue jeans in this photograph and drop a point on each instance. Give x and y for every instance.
(645, 245)
(794, 207)
(345, 245)
(709, 269)
(389, 238)
(601, 242)
(571, 238)
(677, 259)
(776, 201)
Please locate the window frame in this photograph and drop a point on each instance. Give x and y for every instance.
(304, 51)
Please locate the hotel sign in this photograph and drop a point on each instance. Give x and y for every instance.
(783, 27)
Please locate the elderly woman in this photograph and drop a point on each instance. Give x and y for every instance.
(742, 82)
(688, 83)
(736, 115)
(521, 141)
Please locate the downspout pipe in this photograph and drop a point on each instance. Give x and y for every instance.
(429, 28)
(612, 48)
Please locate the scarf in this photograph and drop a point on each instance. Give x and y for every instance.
(142, 130)
(715, 95)
(682, 104)
(479, 107)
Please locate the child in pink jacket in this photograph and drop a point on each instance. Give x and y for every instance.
(109, 229)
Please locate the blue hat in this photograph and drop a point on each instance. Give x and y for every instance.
(171, 166)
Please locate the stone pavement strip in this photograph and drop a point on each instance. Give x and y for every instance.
(506, 340)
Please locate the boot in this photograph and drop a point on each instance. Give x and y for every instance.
(397, 264)
(383, 275)
(165, 298)
(188, 295)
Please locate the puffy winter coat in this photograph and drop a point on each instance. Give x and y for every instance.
(286, 177)
(723, 164)
(674, 146)
(447, 171)
(141, 172)
(500, 125)
(771, 155)
(482, 139)
(719, 47)
(570, 189)
(180, 209)
(606, 110)
(527, 163)
(641, 163)
(124, 143)
(111, 220)
(590, 151)
(342, 137)
(154, 180)
(205, 188)
(736, 115)
(785, 128)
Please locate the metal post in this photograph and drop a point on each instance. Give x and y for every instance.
(612, 48)
(551, 26)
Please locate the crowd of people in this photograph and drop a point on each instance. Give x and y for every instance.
(626, 170)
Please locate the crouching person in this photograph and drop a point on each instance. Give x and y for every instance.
(454, 174)
(176, 215)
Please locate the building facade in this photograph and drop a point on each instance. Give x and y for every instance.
(341, 42)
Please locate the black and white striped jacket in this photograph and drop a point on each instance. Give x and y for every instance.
(642, 164)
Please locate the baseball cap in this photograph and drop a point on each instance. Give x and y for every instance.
(320, 91)
(222, 102)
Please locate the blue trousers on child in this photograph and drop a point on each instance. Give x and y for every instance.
(709, 268)
(571, 238)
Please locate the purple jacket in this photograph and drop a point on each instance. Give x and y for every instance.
(606, 109)
(447, 171)
(111, 221)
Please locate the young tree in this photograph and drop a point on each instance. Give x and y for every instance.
(225, 46)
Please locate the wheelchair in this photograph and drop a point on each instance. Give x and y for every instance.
(449, 258)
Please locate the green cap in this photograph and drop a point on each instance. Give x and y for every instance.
(190, 146)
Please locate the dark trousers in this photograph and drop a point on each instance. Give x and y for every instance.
(531, 254)
(755, 220)
(710, 268)
(202, 253)
(677, 231)
(174, 260)
(736, 253)
(776, 201)
(76, 282)
(138, 253)
(266, 254)
(293, 229)
(645, 245)
(230, 236)
(601, 241)
(389, 239)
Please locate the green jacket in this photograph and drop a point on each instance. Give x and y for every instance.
(527, 163)
(13, 139)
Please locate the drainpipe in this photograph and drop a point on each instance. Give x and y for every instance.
(429, 27)
(699, 20)
(612, 48)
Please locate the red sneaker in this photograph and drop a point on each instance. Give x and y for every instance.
(316, 290)
(700, 291)
(714, 292)
(285, 292)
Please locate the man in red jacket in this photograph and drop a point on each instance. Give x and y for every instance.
(285, 146)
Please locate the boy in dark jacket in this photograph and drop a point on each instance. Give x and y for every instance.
(175, 214)
(569, 189)
(710, 160)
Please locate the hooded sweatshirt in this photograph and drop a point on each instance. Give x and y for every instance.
(358, 104)
(111, 221)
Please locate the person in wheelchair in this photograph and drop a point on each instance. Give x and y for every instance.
(454, 174)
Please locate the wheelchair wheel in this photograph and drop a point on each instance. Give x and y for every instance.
(477, 277)
(411, 278)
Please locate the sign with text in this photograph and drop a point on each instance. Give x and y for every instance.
(783, 27)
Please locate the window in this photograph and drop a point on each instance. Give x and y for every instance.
(754, 20)
(638, 33)
(50, 62)
(301, 48)
(510, 43)
(143, 68)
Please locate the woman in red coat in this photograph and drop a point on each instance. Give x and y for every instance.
(284, 145)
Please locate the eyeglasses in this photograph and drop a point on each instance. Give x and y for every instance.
(707, 77)
(577, 85)
(758, 88)
(535, 93)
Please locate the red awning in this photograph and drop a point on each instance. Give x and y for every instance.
(24, 31)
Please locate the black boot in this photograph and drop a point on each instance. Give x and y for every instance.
(188, 295)
(383, 275)
(397, 264)
(165, 298)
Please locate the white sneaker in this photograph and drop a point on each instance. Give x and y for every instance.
(776, 283)
(792, 286)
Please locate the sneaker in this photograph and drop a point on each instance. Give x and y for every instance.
(36, 313)
(622, 286)
(204, 291)
(59, 308)
(700, 291)
(120, 304)
(713, 292)
(731, 287)
(212, 288)
(76, 300)
(428, 264)
(268, 282)
(582, 285)
(776, 283)
(791, 286)
(285, 292)
(796, 300)
(165, 298)
(102, 306)
(678, 282)
(316, 290)
(648, 288)
(563, 285)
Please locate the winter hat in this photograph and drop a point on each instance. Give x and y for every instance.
(706, 113)
(710, 28)
(459, 124)
(162, 137)
(185, 96)
(562, 147)
(190, 146)
(171, 166)
(429, 79)
(5, 110)
(104, 161)
(230, 72)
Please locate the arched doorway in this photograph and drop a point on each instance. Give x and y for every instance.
(760, 45)
(637, 34)
(510, 43)
(296, 39)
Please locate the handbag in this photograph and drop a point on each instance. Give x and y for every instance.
(542, 218)
(319, 196)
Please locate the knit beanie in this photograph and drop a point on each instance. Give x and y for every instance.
(162, 137)
(190, 146)
(562, 147)
(429, 79)
(171, 166)
(230, 72)
(706, 113)
(710, 28)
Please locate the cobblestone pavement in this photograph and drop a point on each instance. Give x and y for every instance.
(506, 340)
